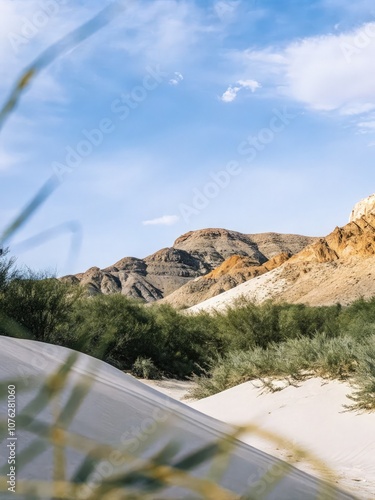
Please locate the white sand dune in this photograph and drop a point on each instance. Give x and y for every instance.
(311, 416)
(119, 410)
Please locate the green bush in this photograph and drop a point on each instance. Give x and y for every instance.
(40, 305)
(7, 269)
(296, 358)
(221, 350)
(364, 396)
(145, 368)
(247, 325)
(114, 328)
(187, 342)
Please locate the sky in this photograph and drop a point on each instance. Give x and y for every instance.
(250, 115)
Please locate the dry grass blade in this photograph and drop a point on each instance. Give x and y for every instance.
(72, 227)
(53, 385)
(68, 42)
(44, 192)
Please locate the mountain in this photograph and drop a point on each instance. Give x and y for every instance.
(337, 269)
(193, 255)
(231, 273)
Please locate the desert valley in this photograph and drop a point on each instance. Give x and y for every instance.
(187, 250)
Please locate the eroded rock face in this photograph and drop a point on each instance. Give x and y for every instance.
(339, 268)
(363, 208)
(232, 272)
(193, 255)
(213, 246)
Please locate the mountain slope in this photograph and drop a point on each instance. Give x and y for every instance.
(192, 256)
(338, 268)
(231, 273)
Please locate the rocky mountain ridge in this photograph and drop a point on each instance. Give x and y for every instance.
(193, 255)
(339, 268)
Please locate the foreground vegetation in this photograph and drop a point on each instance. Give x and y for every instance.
(219, 351)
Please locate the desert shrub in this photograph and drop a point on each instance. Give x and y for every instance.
(300, 320)
(358, 319)
(236, 368)
(114, 328)
(40, 305)
(187, 342)
(7, 269)
(120, 330)
(297, 358)
(247, 325)
(364, 395)
(145, 368)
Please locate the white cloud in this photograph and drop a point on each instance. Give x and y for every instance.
(358, 109)
(231, 93)
(177, 79)
(249, 84)
(8, 160)
(367, 125)
(165, 220)
(167, 27)
(329, 73)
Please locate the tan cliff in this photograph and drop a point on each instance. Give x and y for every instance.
(337, 269)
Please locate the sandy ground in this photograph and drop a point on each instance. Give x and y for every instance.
(310, 416)
(176, 389)
(119, 411)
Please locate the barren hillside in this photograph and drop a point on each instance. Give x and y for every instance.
(192, 256)
(337, 269)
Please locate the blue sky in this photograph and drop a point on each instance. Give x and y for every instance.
(252, 115)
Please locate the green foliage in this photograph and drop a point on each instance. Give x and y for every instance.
(296, 358)
(187, 342)
(38, 304)
(7, 269)
(220, 350)
(145, 368)
(247, 325)
(364, 396)
(115, 329)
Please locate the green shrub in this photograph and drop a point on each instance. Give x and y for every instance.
(187, 342)
(40, 305)
(114, 328)
(145, 368)
(7, 269)
(297, 358)
(364, 396)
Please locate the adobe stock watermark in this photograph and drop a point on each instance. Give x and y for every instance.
(358, 43)
(226, 9)
(249, 149)
(120, 108)
(263, 482)
(30, 26)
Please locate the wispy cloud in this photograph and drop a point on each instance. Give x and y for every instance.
(7, 160)
(312, 71)
(367, 125)
(231, 93)
(177, 79)
(165, 220)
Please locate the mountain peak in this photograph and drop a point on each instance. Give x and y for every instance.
(363, 208)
